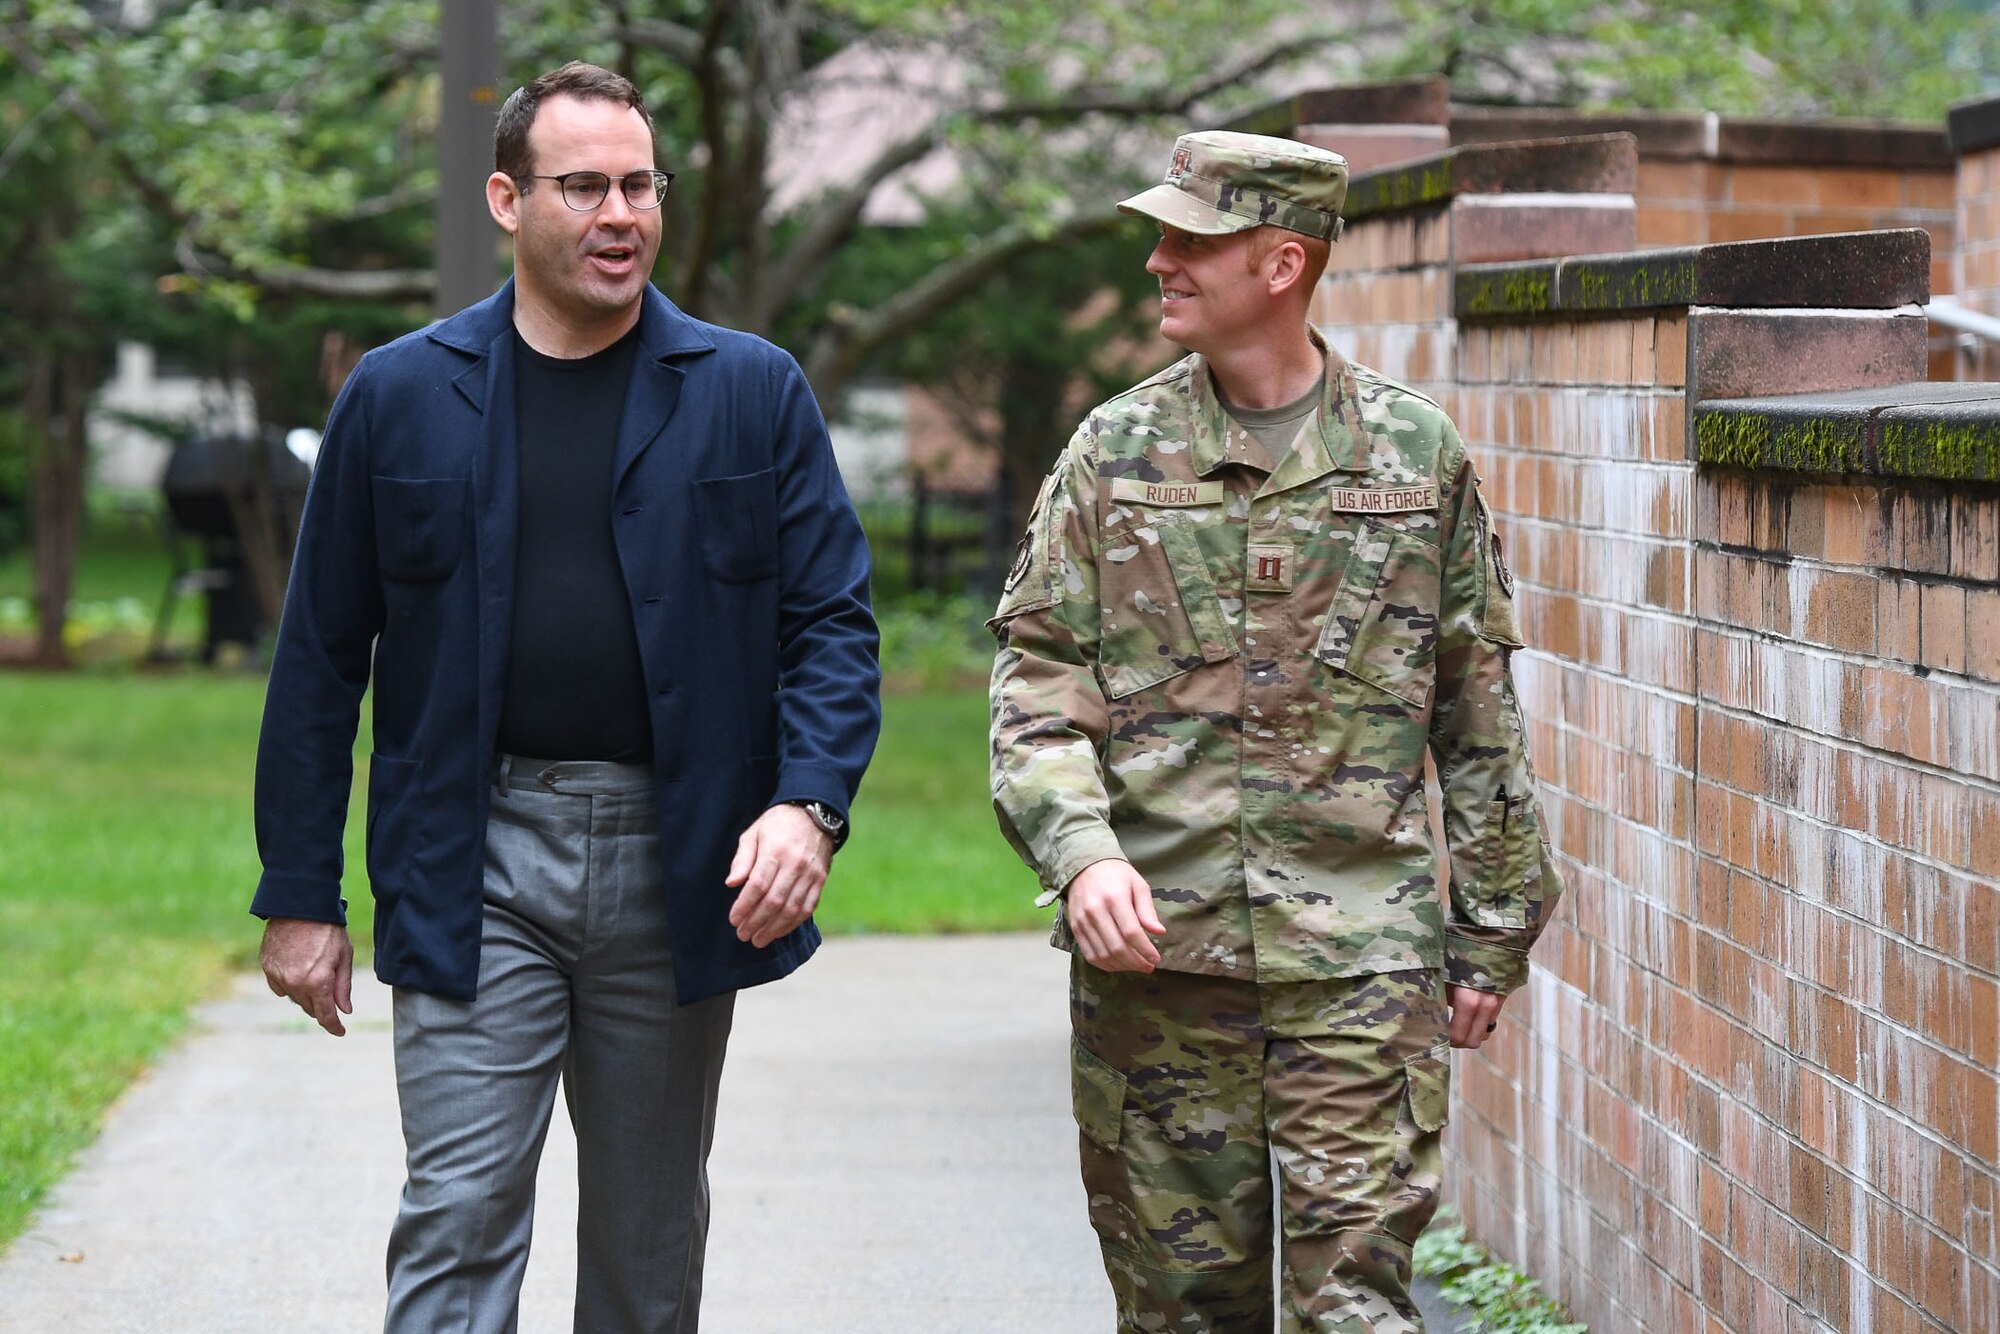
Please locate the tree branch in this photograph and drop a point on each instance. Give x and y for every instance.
(850, 337)
(305, 280)
(835, 219)
(1165, 101)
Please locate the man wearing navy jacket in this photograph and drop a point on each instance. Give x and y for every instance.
(613, 597)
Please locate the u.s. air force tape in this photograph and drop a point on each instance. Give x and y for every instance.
(1136, 492)
(1382, 499)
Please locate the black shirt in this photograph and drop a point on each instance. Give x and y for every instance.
(574, 687)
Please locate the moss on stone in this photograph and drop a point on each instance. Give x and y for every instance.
(1628, 284)
(1946, 450)
(1799, 444)
(1400, 188)
(1519, 291)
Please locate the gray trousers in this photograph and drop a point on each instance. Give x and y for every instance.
(575, 979)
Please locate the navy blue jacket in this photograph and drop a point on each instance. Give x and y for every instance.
(748, 580)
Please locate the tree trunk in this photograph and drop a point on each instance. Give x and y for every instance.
(1033, 426)
(58, 396)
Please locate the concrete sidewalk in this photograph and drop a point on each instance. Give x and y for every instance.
(894, 1155)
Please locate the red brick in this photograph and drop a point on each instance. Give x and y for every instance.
(1750, 224)
(1982, 634)
(1774, 185)
(1942, 629)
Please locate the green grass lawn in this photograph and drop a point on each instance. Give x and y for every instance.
(126, 864)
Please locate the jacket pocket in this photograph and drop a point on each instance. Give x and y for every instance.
(392, 796)
(1382, 626)
(420, 527)
(737, 521)
(1159, 612)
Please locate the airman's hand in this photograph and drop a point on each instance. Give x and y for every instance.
(1110, 908)
(1473, 1015)
(311, 964)
(781, 862)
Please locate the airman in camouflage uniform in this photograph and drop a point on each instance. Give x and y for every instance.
(1229, 641)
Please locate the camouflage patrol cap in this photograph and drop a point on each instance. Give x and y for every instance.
(1220, 181)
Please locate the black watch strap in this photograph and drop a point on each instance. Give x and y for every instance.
(830, 822)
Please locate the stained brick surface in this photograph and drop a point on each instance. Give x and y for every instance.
(1751, 1085)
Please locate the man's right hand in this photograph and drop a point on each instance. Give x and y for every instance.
(312, 965)
(1110, 908)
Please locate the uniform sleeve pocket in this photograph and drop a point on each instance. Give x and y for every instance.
(1098, 1092)
(1510, 856)
(1428, 1089)
(737, 520)
(420, 526)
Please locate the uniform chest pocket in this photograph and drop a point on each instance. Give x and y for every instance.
(420, 527)
(1382, 626)
(737, 521)
(1159, 614)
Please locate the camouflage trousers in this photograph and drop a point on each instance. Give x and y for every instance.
(1188, 1087)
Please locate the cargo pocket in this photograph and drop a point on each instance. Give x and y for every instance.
(1419, 1168)
(1160, 615)
(420, 527)
(1428, 1090)
(1097, 1095)
(737, 518)
(1382, 625)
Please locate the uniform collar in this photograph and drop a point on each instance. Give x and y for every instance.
(1328, 441)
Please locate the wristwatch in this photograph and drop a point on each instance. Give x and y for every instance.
(830, 822)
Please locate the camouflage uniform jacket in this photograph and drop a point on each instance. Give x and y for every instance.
(1231, 678)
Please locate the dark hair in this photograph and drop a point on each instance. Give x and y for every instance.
(586, 83)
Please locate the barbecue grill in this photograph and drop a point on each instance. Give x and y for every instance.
(235, 499)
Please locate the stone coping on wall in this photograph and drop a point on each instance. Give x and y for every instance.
(1423, 101)
(1844, 271)
(1704, 135)
(1974, 127)
(1925, 431)
(1591, 164)
(1426, 100)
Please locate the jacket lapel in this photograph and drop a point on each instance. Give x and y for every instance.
(666, 337)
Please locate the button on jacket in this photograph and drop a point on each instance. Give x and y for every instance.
(747, 575)
(1231, 677)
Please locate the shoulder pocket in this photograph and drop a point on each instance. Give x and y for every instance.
(420, 526)
(1382, 626)
(736, 519)
(1160, 612)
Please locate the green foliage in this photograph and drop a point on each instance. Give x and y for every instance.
(926, 855)
(934, 641)
(1908, 59)
(1501, 1297)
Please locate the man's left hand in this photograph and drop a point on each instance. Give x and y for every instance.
(781, 862)
(1473, 1015)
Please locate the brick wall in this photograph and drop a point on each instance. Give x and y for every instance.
(1975, 279)
(1751, 1085)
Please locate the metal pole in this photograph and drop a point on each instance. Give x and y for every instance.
(468, 68)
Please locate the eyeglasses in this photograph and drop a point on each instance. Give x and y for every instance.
(585, 190)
